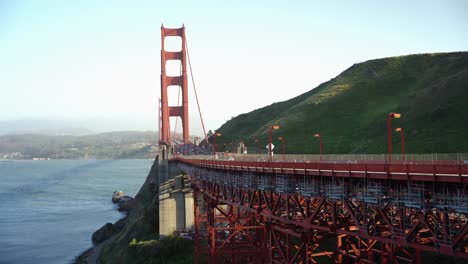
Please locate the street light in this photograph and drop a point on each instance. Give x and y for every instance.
(402, 135)
(232, 148)
(282, 145)
(389, 133)
(195, 141)
(215, 134)
(258, 147)
(320, 140)
(274, 127)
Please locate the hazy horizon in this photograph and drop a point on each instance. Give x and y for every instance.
(75, 127)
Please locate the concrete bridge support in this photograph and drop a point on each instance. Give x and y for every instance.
(175, 200)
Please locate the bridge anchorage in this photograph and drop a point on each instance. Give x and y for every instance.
(294, 209)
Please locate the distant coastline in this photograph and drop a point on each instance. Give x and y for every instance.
(110, 145)
(49, 159)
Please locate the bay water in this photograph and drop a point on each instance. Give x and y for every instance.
(49, 209)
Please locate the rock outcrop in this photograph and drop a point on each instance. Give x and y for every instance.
(126, 204)
(117, 196)
(104, 233)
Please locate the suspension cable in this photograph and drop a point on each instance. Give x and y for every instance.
(195, 90)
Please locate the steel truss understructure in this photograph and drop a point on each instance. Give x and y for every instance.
(253, 217)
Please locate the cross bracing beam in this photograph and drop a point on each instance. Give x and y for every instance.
(362, 221)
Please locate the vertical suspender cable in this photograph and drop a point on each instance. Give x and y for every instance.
(195, 90)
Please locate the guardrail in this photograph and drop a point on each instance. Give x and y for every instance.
(434, 158)
(440, 171)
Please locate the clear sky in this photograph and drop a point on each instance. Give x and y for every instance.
(100, 60)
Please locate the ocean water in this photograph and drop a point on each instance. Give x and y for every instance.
(49, 209)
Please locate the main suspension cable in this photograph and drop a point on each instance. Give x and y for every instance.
(195, 90)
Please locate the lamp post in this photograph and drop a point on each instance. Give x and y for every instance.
(240, 148)
(402, 135)
(389, 133)
(195, 141)
(232, 148)
(320, 141)
(274, 127)
(258, 147)
(215, 134)
(282, 145)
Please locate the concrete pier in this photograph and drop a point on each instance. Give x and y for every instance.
(175, 199)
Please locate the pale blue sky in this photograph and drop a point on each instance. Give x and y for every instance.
(101, 59)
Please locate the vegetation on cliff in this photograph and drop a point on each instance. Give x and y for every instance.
(138, 241)
(430, 90)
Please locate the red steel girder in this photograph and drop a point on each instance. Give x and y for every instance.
(301, 229)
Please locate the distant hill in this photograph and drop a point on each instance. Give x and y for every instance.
(430, 90)
(123, 144)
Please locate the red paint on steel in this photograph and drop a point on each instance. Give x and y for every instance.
(166, 81)
(298, 228)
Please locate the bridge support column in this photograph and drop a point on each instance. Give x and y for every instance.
(175, 199)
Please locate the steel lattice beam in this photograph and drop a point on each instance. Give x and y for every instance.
(342, 225)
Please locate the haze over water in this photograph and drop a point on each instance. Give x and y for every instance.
(50, 209)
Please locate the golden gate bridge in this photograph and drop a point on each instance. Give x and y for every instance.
(256, 208)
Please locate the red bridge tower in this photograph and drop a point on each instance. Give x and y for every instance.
(167, 81)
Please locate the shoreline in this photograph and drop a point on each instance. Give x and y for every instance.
(143, 201)
(91, 255)
(137, 239)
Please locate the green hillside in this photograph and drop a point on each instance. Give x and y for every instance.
(350, 111)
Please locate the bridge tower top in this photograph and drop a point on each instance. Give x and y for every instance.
(180, 82)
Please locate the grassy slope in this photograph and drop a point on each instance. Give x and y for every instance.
(430, 90)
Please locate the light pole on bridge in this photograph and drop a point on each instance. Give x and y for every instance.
(273, 127)
(402, 135)
(258, 147)
(282, 146)
(389, 133)
(232, 146)
(215, 134)
(320, 142)
(195, 141)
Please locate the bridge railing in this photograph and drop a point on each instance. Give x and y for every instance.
(434, 158)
